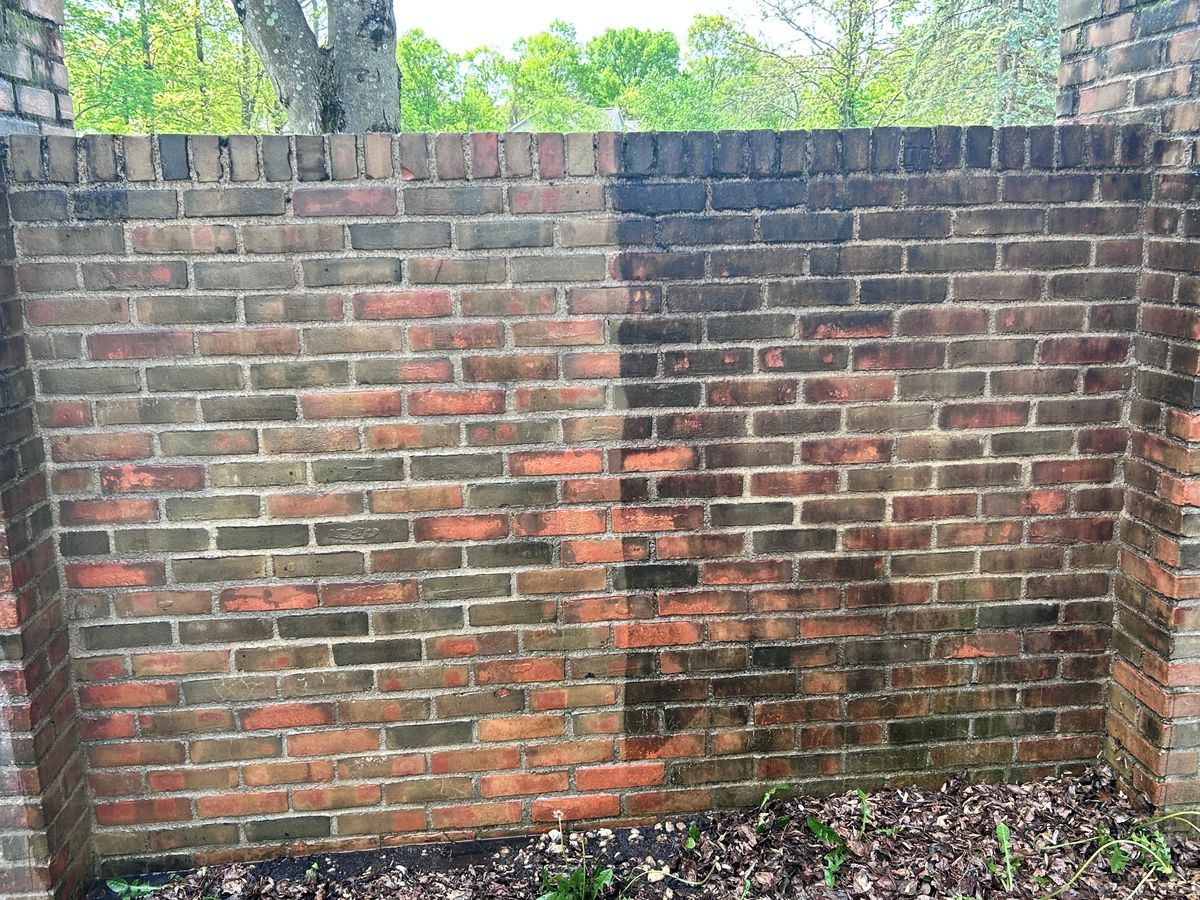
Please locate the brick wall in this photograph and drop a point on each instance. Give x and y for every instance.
(1131, 60)
(423, 486)
(33, 78)
(43, 798)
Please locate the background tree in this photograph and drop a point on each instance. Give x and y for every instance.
(993, 61)
(619, 61)
(545, 82)
(843, 49)
(349, 82)
(187, 65)
(165, 65)
(443, 91)
(720, 85)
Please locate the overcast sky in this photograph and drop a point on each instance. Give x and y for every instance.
(466, 24)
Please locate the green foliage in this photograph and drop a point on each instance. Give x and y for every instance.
(837, 854)
(1006, 869)
(578, 884)
(582, 882)
(620, 61)
(765, 822)
(184, 65)
(866, 811)
(693, 837)
(1153, 845)
(126, 889)
(983, 61)
(770, 793)
(443, 91)
(165, 65)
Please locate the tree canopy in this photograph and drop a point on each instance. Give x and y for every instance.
(186, 65)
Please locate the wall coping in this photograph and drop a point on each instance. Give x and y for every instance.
(480, 156)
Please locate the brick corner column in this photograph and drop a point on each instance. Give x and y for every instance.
(44, 811)
(33, 80)
(1125, 61)
(1154, 700)
(1130, 61)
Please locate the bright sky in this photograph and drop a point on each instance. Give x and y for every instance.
(465, 24)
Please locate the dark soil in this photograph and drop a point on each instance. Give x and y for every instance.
(916, 844)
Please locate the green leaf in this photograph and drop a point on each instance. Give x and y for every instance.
(824, 833)
(1003, 835)
(834, 860)
(1118, 859)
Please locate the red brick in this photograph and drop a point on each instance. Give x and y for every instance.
(257, 599)
(460, 528)
(369, 594)
(286, 715)
(519, 728)
(344, 201)
(593, 806)
(557, 462)
(144, 812)
(602, 550)
(150, 479)
(522, 785)
(746, 572)
(241, 804)
(662, 459)
(445, 762)
(401, 305)
(560, 522)
(476, 815)
(139, 344)
(844, 389)
(333, 743)
(458, 336)
(351, 405)
(129, 694)
(984, 415)
(502, 671)
(656, 634)
(455, 403)
(341, 797)
(657, 518)
(846, 451)
(115, 574)
(107, 512)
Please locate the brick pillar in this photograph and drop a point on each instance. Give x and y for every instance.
(1154, 706)
(1139, 61)
(33, 76)
(1130, 61)
(44, 815)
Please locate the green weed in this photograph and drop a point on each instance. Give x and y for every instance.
(126, 889)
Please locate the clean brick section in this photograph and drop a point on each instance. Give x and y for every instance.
(616, 475)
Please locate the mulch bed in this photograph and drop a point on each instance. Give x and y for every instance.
(917, 844)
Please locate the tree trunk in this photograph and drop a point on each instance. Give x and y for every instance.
(144, 31)
(364, 75)
(353, 84)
